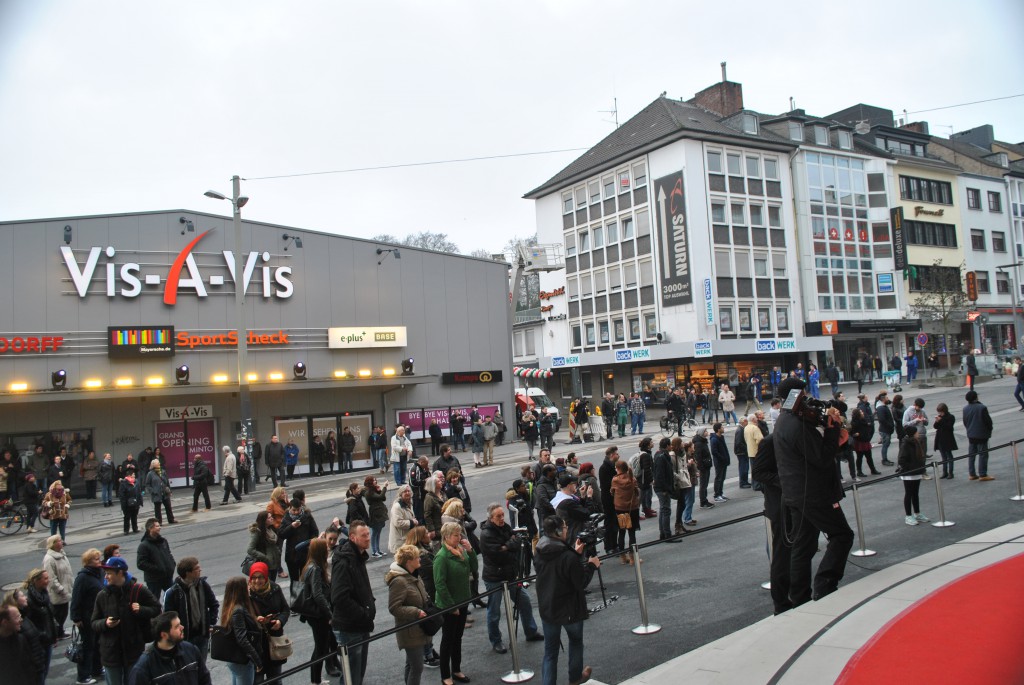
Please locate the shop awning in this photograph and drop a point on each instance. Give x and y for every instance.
(526, 372)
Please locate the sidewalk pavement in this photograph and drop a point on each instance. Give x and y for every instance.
(813, 643)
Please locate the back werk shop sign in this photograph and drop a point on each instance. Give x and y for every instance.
(471, 377)
(673, 244)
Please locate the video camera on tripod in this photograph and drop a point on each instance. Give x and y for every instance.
(591, 533)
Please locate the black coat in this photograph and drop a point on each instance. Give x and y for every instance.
(765, 470)
(123, 644)
(605, 473)
(883, 415)
(807, 462)
(155, 560)
(351, 596)
(274, 454)
(40, 612)
(500, 548)
(271, 604)
(201, 474)
(176, 599)
(23, 661)
(944, 438)
(664, 477)
(911, 460)
(544, 492)
(701, 452)
(88, 584)
(562, 577)
(180, 666)
(720, 450)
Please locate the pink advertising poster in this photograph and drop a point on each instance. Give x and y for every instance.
(202, 439)
(418, 420)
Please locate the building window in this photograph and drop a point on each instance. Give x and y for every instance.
(977, 239)
(612, 232)
(576, 339)
(723, 263)
(734, 164)
(774, 216)
(796, 131)
(624, 181)
(738, 216)
(779, 265)
(586, 285)
(754, 167)
(761, 266)
(820, 135)
(609, 187)
(566, 203)
(650, 326)
(998, 241)
(1002, 283)
(614, 279)
(935, 279)
(598, 237)
(925, 190)
(581, 197)
(756, 215)
(714, 161)
(995, 202)
(530, 344)
(973, 198)
(599, 282)
(629, 271)
(572, 288)
(604, 332)
(634, 328)
(927, 233)
(717, 213)
(764, 319)
(570, 245)
(771, 168)
(845, 140)
(725, 318)
(584, 241)
(595, 192)
(750, 124)
(590, 331)
(782, 318)
(746, 325)
(627, 228)
(983, 286)
(620, 331)
(640, 175)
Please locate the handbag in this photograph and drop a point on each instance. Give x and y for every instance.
(625, 521)
(247, 563)
(224, 646)
(75, 651)
(280, 647)
(434, 620)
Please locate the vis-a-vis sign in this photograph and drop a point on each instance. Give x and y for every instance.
(673, 240)
(129, 279)
(366, 336)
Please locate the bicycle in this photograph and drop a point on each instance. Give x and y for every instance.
(668, 426)
(13, 516)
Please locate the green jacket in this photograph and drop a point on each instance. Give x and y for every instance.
(451, 577)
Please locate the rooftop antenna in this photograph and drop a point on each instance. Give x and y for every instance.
(724, 79)
(614, 111)
(792, 103)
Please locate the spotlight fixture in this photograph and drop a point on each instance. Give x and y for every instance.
(59, 380)
(189, 226)
(181, 375)
(293, 239)
(299, 371)
(67, 234)
(275, 376)
(407, 366)
(383, 253)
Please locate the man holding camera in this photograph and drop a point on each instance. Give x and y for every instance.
(806, 448)
(504, 554)
(563, 575)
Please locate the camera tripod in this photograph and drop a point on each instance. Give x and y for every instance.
(591, 551)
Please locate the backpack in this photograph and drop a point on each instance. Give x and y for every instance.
(145, 626)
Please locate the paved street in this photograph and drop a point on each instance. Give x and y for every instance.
(699, 591)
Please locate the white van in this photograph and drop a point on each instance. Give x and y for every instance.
(536, 398)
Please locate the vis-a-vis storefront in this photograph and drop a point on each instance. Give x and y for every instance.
(118, 332)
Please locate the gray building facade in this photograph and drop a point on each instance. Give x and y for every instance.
(120, 303)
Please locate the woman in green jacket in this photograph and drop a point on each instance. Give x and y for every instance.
(453, 566)
(263, 543)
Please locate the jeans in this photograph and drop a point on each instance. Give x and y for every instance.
(460, 441)
(131, 518)
(530, 446)
(688, 498)
(356, 655)
(90, 665)
(1018, 394)
(380, 458)
(706, 415)
(520, 599)
(664, 515)
(947, 462)
(705, 476)
(636, 423)
(375, 531)
(230, 489)
(808, 522)
(743, 464)
(202, 643)
(552, 642)
(277, 474)
(727, 414)
(886, 441)
(322, 643)
(62, 524)
(647, 497)
(608, 426)
(977, 450)
(107, 492)
(114, 675)
(242, 674)
(720, 469)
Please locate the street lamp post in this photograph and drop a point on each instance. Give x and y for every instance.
(237, 202)
(1014, 294)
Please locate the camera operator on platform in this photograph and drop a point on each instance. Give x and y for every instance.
(563, 575)
(806, 447)
(504, 551)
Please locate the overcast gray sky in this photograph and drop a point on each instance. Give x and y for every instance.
(130, 106)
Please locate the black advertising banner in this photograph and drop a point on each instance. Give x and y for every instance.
(673, 240)
(899, 241)
(460, 377)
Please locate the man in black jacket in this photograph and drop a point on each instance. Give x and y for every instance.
(274, 454)
(154, 559)
(605, 473)
(572, 506)
(192, 599)
(121, 618)
(352, 598)
(676, 408)
(886, 425)
(766, 472)
(563, 575)
(545, 491)
(202, 479)
(170, 660)
(811, 493)
(664, 486)
(22, 657)
(702, 455)
(608, 413)
(504, 557)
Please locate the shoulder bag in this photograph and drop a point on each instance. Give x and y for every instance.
(280, 647)
(75, 653)
(224, 646)
(625, 520)
(434, 621)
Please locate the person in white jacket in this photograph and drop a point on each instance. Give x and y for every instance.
(229, 472)
(401, 450)
(62, 579)
(402, 519)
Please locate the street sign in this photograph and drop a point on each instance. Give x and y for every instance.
(922, 339)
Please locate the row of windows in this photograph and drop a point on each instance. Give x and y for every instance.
(606, 188)
(928, 233)
(611, 279)
(995, 200)
(748, 318)
(745, 213)
(819, 135)
(737, 163)
(855, 303)
(978, 240)
(900, 147)
(597, 236)
(608, 331)
(926, 190)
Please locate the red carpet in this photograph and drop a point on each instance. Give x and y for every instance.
(970, 631)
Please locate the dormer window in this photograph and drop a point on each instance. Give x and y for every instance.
(845, 140)
(820, 135)
(750, 124)
(796, 130)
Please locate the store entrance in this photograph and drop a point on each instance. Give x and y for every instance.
(847, 352)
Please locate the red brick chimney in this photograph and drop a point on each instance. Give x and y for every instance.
(724, 98)
(916, 126)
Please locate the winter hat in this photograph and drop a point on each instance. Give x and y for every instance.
(259, 567)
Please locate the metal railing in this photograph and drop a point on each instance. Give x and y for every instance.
(519, 674)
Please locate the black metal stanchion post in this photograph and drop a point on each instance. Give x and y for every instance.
(517, 675)
(1016, 473)
(767, 585)
(863, 551)
(942, 522)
